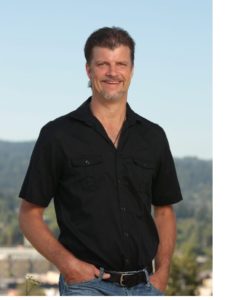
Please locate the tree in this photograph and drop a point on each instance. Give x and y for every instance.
(183, 276)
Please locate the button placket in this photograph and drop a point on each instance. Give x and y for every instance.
(123, 209)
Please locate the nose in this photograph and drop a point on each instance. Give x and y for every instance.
(111, 71)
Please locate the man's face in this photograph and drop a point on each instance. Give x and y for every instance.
(110, 72)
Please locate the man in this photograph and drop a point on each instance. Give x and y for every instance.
(105, 166)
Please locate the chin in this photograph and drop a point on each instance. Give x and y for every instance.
(114, 97)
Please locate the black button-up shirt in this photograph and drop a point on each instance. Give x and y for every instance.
(102, 194)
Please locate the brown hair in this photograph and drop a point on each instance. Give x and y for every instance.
(108, 37)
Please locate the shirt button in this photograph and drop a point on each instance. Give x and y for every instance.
(127, 261)
(126, 234)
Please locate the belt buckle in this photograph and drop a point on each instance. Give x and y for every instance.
(121, 279)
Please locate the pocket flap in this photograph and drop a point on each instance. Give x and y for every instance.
(143, 164)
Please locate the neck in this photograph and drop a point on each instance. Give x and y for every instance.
(108, 112)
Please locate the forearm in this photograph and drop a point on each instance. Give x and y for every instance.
(38, 233)
(165, 221)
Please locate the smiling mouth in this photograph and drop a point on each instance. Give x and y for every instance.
(111, 82)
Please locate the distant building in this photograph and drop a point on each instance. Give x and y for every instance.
(17, 262)
(206, 287)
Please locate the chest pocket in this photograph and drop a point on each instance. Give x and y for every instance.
(86, 172)
(139, 173)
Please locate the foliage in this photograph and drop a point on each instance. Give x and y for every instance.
(183, 279)
(30, 287)
(194, 235)
(195, 177)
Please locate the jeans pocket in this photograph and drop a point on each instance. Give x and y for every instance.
(157, 292)
(154, 289)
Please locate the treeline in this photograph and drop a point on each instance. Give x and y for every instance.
(194, 213)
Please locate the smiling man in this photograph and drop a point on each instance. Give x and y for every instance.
(105, 167)
(110, 71)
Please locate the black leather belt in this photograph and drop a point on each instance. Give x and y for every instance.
(128, 279)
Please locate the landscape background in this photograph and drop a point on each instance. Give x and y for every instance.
(42, 76)
(194, 216)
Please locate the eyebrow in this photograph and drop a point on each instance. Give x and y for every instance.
(107, 62)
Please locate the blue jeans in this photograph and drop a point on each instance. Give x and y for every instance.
(98, 287)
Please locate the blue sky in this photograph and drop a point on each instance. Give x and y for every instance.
(42, 74)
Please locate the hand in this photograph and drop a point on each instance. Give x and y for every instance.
(159, 280)
(80, 271)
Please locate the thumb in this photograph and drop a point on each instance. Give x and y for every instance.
(105, 275)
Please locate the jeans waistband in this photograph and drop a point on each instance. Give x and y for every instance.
(148, 269)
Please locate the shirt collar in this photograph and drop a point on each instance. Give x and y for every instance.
(84, 114)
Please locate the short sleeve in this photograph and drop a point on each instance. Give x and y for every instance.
(166, 188)
(42, 177)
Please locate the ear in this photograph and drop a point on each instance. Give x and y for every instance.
(132, 71)
(88, 70)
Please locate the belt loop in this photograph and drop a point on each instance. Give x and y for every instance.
(101, 273)
(147, 276)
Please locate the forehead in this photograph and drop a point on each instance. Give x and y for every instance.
(118, 53)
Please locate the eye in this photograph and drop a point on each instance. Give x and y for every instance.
(100, 64)
(122, 64)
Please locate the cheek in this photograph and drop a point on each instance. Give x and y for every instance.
(127, 81)
(95, 76)
(96, 83)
